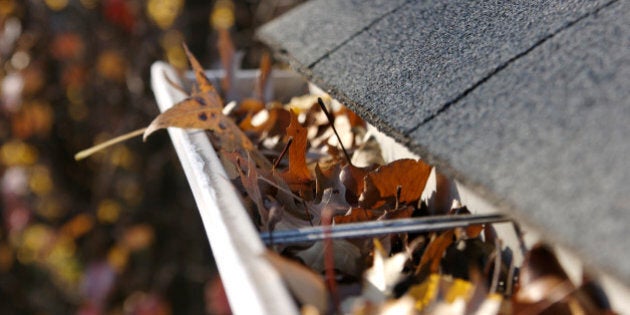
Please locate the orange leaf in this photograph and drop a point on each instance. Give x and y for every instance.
(435, 250)
(355, 215)
(298, 174)
(381, 185)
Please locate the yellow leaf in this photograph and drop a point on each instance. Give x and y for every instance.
(425, 292)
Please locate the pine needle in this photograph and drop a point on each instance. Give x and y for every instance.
(89, 151)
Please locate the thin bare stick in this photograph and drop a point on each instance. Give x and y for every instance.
(89, 151)
(497, 267)
(332, 124)
(283, 153)
(280, 188)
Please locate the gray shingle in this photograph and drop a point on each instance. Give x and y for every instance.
(425, 55)
(550, 135)
(528, 102)
(318, 27)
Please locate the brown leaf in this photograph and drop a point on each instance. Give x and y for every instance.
(381, 184)
(202, 81)
(545, 288)
(354, 179)
(276, 123)
(356, 215)
(249, 179)
(248, 105)
(203, 112)
(298, 175)
(434, 251)
(401, 213)
(307, 286)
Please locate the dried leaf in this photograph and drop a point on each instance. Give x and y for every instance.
(307, 286)
(401, 213)
(297, 175)
(545, 286)
(425, 292)
(356, 215)
(249, 179)
(435, 250)
(347, 257)
(381, 184)
(203, 112)
(354, 179)
(202, 81)
(277, 122)
(384, 273)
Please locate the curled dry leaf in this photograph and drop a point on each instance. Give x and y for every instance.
(307, 286)
(381, 185)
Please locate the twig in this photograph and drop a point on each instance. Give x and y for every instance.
(283, 153)
(332, 124)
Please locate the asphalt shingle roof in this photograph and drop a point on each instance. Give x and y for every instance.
(528, 103)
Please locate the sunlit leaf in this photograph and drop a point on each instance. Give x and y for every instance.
(381, 185)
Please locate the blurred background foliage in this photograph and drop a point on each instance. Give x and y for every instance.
(118, 233)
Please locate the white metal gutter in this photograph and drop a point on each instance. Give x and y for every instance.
(252, 285)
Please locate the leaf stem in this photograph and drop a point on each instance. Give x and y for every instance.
(89, 151)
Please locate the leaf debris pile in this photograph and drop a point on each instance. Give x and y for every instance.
(311, 162)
